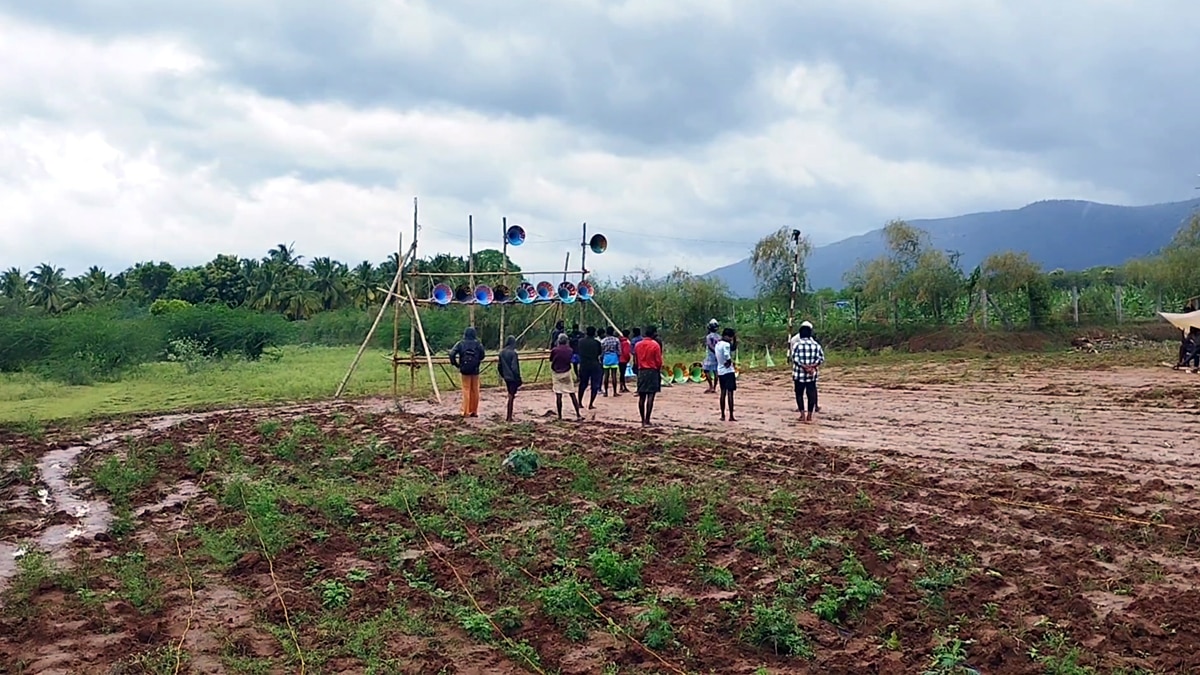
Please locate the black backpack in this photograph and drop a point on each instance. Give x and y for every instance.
(469, 358)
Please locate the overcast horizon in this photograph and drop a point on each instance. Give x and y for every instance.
(682, 131)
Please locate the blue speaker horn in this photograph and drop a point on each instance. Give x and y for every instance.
(586, 291)
(484, 294)
(544, 290)
(515, 235)
(442, 294)
(567, 292)
(526, 293)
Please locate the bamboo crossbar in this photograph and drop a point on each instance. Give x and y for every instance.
(513, 273)
(416, 361)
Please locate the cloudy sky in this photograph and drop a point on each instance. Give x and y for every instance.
(683, 130)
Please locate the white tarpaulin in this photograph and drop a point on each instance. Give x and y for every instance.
(1183, 322)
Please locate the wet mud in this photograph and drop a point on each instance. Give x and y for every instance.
(1026, 514)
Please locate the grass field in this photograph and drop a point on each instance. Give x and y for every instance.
(299, 374)
(313, 373)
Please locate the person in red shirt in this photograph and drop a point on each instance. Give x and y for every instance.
(649, 378)
(626, 357)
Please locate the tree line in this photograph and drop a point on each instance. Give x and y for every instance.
(242, 307)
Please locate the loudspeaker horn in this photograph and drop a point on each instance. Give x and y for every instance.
(501, 294)
(586, 290)
(462, 294)
(515, 235)
(526, 292)
(598, 243)
(544, 290)
(484, 294)
(442, 293)
(567, 292)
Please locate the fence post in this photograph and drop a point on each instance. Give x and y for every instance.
(983, 302)
(1075, 303)
(856, 319)
(1120, 304)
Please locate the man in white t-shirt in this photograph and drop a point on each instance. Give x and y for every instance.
(726, 376)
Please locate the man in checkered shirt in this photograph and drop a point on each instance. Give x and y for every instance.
(807, 357)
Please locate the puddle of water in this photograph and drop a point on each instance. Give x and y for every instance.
(183, 492)
(89, 516)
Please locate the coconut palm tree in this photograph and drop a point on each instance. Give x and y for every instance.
(299, 302)
(101, 282)
(46, 287)
(80, 292)
(329, 281)
(362, 284)
(14, 285)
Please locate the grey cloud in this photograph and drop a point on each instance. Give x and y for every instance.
(1080, 91)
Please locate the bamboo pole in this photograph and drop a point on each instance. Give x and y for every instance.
(583, 266)
(412, 325)
(362, 348)
(471, 263)
(601, 310)
(533, 323)
(396, 320)
(504, 276)
(424, 343)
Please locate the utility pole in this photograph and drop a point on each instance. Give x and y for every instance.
(795, 281)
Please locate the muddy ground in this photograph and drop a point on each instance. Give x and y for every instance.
(949, 518)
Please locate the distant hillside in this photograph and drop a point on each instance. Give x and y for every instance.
(1057, 233)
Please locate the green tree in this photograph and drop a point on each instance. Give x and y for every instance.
(47, 288)
(188, 285)
(329, 282)
(361, 285)
(14, 285)
(225, 281)
(1012, 272)
(148, 280)
(910, 273)
(771, 262)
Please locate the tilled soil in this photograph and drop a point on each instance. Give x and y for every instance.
(929, 520)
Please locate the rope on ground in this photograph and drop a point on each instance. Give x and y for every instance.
(618, 627)
(274, 581)
(470, 596)
(187, 626)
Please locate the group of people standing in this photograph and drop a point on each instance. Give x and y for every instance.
(580, 363)
(594, 361)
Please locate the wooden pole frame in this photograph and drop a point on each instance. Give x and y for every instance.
(401, 292)
(371, 333)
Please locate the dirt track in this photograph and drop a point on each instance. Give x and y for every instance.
(1142, 422)
(1045, 518)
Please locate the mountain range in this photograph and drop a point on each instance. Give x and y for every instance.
(1067, 234)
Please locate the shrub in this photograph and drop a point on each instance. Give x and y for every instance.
(164, 306)
(224, 331)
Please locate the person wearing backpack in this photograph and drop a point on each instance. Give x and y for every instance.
(467, 355)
